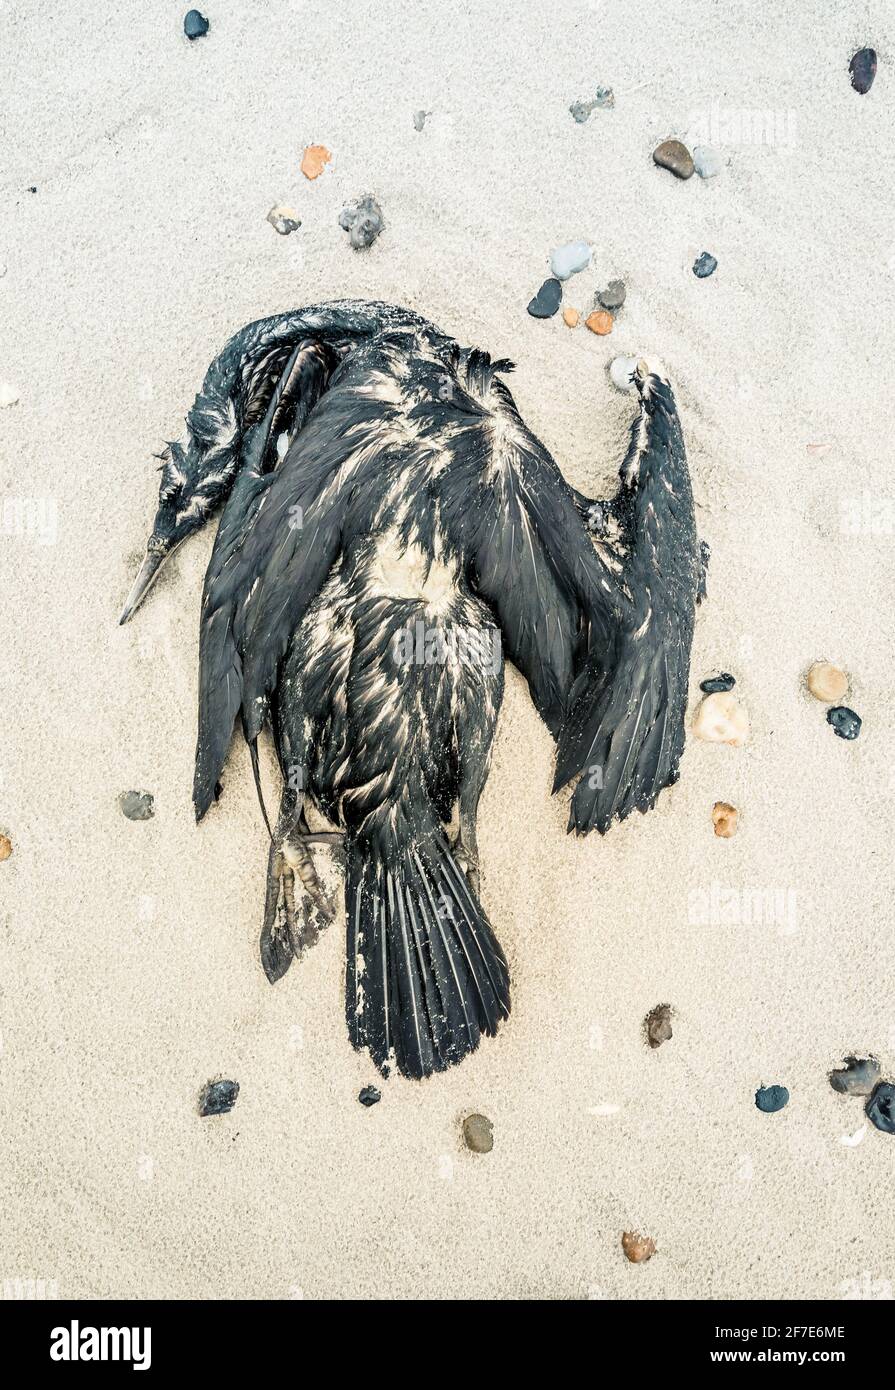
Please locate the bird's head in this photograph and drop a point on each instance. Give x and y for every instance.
(195, 481)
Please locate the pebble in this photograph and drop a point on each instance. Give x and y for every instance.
(8, 395)
(725, 818)
(658, 1025)
(419, 119)
(370, 1096)
(478, 1134)
(769, 1099)
(5, 847)
(621, 372)
(863, 70)
(638, 1249)
(570, 259)
(707, 162)
(571, 318)
(845, 722)
(826, 682)
(880, 1108)
(580, 110)
(674, 156)
(704, 266)
(613, 297)
(718, 685)
(284, 220)
(195, 24)
(362, 219)
(605, 97)
(314, 161)
(546, 301)
(218, 1097)
(722, 719)
(857, 1078)
(599, 322)
(137, 805)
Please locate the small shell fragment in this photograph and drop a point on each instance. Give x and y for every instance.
(721, 719)
(314, 161)
(5, 847)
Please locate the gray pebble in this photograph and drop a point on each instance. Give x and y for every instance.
(419, 119)
(283, 220)
(362, 220)
(218, 1097)
(704, 266)
(863, 70)
(570, 259)
(880, 1108)
(707, 162)
(613, 297)
(137, 805)
(369, 1096)
(580, 110)
(478, 1134)
(770, 1099)
(658, 1025)
(857, 1078)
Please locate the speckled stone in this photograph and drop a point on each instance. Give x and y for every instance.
(704, 266)
(370, 1096)
(857, 1078)
(362, 220)
(284, 220)
(675, 157)
(707, 162)
(638, 1249)
(137, 805)
(880, 1108)
(657, 1025)
(863, 70)
(218, 1097)
(845, 722)
(478, 1134)
(770, 1099)
(195, 24)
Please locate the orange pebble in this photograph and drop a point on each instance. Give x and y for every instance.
(314, 161)
(5, 847)
(638, 1248)
(724, 818)
(599, 322)
(571, 317)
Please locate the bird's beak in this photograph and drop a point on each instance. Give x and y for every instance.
(143, 582)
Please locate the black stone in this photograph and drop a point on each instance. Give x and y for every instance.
(880, 1108)
(370, 1096)
(547, 300)
(195, 24)
(863, 70)
(218, 1097)
(845, 722)
(704, 266)
(717, 685)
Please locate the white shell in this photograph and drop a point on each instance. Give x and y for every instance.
(721, 719)
(621, 370)
(8, 394)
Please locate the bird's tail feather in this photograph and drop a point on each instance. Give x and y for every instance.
(425, 974)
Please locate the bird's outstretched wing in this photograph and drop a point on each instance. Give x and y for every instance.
(624, 729)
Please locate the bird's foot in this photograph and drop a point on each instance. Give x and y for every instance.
(291, 927)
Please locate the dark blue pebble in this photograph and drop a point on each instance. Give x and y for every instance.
(845, 722)
(880, 1108)
(218, 1097)
(195, 24)
(704, 266)
(771, 1098)
(863, 70)
(370, 1096)
(546, 301)
(716, 685)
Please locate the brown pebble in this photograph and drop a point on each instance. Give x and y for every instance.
(571, 317)
(724, 819)
(599, 322)
(478, 1134)
(674, 156)
(5, 847)
(827, 683)
(658, 1025)
(638, 1248)
(314, 161)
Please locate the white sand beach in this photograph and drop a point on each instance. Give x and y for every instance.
(129, 971)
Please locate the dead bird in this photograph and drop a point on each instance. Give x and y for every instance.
(368, 580)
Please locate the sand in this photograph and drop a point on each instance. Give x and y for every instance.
(130, 971)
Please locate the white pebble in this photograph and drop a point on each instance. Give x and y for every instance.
(708, 162)
(568, 260)
(721, 719)
(8, 394)
(621, 372)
